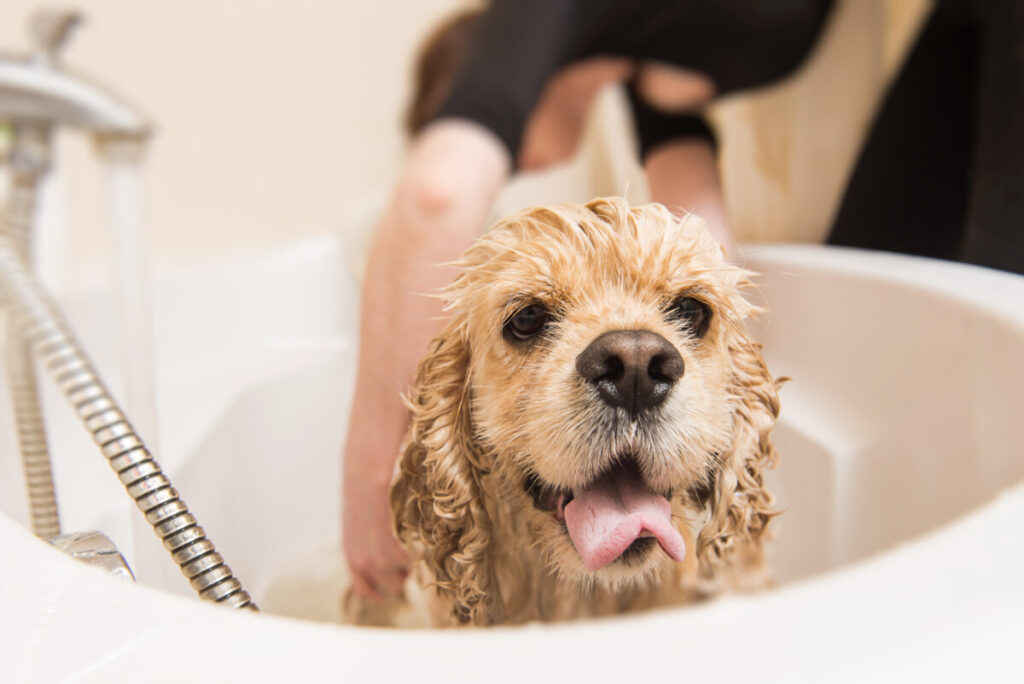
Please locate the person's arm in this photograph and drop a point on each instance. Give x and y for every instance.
(678, 147)
(556, 124)
(454, 170)
(683, 175)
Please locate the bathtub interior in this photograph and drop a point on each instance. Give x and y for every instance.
(899, 417)
(254, 365)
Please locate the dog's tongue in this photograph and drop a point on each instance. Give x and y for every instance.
(607, 516)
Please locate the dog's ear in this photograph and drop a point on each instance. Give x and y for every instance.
(741, 507)
(437, 496)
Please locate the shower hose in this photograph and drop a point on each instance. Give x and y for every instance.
(28, 415)
(45, 331)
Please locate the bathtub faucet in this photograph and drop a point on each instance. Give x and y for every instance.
(35, 88)
(37, 96)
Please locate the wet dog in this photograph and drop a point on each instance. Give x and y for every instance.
(590, 428)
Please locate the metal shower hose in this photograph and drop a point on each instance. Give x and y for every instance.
(45, 330)
(28, 415)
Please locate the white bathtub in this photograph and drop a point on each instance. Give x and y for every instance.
(899, 556)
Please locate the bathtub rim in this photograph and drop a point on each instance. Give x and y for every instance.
(802, 649)
(965, 283)
(1004, 513)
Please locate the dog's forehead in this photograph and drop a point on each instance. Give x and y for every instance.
(568, 252)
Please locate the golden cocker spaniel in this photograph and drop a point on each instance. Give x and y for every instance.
(590, 428)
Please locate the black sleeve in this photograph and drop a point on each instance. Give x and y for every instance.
(995, 221)
(655, 127)
(518, 46)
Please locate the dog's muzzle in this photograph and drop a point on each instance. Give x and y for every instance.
(631, 369)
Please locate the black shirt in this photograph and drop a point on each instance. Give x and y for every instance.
(520, 44)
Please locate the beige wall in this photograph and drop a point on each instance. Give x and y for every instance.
(277, 119)
(272, 117)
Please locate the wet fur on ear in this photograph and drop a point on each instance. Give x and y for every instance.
(437, 496)
(730, 546)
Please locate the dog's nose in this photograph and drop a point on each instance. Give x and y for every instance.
(631, 369)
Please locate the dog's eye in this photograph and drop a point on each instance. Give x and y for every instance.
(694, 313)
(527, 322)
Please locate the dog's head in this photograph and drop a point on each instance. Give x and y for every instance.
(595, 377)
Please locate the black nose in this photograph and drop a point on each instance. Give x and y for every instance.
(632, 369)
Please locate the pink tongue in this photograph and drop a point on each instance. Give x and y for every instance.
(609, 515)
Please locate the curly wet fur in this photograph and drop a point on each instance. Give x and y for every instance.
(488, 413)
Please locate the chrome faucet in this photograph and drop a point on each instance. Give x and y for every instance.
(35, 88)
(36, 96)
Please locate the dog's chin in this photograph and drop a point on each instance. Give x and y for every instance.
(646, 567)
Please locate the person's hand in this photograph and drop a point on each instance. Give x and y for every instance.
(377, 562)
(555, 126)
(673, 89)
(454, 170)
(683, 175)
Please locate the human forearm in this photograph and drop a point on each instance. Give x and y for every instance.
(439, 207)
(683, 175)
(450, 180)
